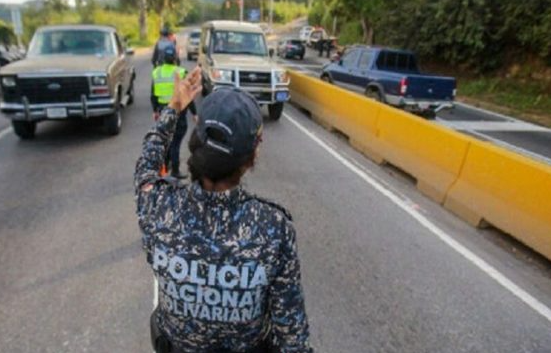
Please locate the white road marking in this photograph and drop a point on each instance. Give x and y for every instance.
(506, 283)
(520, 126)
(5, 132)
(468, 106)
(497, 141)
(155, 293)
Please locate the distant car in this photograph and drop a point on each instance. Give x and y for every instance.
(291, 48)
(391, 76)
(71, 72)
(304, 33)
(192, 46)
(315, 36)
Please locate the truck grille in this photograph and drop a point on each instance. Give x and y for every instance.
(53, 89)
(249, 78)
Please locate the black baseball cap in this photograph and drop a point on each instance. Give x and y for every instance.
(230, 121)
(169, 53)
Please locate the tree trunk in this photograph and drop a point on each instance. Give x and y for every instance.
(143, 20)
(368, 31)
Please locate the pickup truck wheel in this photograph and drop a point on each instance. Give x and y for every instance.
(326, 78)
(205, 92)
(275, 110)
(113, 123)
(130, 94)
(428, 114)
(24, 129)
(373, 94)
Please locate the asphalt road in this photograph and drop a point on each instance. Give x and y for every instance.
(384, 269)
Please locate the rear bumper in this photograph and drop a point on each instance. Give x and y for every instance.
(37, 112)
(418, 105)
(192, 49)
(294, 52)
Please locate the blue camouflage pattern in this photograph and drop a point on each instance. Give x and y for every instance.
(226, 262)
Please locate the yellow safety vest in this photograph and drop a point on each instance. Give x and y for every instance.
(163, 81)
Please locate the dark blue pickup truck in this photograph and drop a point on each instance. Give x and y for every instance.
(392, 76)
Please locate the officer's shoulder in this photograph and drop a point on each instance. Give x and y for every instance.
(270, 206)
(173, 183)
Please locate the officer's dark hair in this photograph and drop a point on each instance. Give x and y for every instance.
(214, 165)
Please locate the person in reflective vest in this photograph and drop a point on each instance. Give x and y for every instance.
(162, 90)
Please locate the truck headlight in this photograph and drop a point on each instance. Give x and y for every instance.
(281, 77)
(99, 81)
(221, 75)
(8, 81)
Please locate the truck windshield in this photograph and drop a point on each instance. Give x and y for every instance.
(229, 42)
(71, 42)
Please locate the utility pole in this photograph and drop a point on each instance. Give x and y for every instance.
(143, 20)
(241, 5)
(271, 13)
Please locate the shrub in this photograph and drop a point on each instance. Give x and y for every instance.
(285, 11)
(350, 33)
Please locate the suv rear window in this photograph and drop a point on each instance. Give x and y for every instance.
(295, 42)
(396, 61)
(195, 35)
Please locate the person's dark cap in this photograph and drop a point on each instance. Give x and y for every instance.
(230, 121)
(169, 53)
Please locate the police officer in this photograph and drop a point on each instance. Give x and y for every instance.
(226, 260)
(162, 90)
(166, 40)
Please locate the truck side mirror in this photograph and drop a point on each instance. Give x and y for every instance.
(271, 52)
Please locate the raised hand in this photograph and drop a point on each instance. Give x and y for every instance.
(185, 90)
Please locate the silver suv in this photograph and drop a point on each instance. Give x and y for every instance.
(235, 54)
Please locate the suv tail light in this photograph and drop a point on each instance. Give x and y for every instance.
(403, 86)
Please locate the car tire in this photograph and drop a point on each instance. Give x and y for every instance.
(113, 123)
(301, 56)
(275, 110)
(204, 91)
(189, 57)
(428, 114)
(130, 94)
(326, 78)
(24, 129)
(374, 94)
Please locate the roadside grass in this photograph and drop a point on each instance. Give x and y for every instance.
(529, 100)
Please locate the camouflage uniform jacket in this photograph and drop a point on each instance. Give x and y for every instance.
(226, 262)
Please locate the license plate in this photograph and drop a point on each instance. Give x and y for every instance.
(56, 113)
(281, 96)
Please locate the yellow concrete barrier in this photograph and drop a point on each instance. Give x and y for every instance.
(476, 180)
(337, 108)
(431, 153)
(507, 190)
